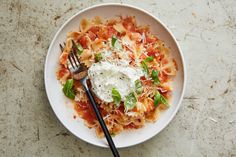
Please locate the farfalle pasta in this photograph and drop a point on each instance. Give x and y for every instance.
(122, 51)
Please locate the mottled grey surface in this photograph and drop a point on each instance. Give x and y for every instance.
(205, 125)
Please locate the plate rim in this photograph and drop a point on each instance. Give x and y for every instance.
(156, 19)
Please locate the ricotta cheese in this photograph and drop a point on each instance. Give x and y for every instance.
(105, 75)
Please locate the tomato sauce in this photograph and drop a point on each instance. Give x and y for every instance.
(62, 72)
(85, 110)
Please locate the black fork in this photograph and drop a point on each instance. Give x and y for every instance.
(76, 67)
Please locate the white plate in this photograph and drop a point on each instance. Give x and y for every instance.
(62, 106)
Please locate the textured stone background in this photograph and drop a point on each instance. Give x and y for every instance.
(205, 125)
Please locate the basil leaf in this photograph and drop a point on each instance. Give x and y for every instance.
(154, 76)
(138, 86)
(164, 101)
(130, 101)
(149, 59)
(115, 43)
(67, 89)
(145, 67)
(79, 49)
(98, 57)
(116, 96)
(113, 40)
(157, 99)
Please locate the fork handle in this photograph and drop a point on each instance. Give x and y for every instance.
(101, 121)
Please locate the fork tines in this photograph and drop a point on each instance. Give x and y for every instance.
(74, 50)
(74, 60)
(62, 48)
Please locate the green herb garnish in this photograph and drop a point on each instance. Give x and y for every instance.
(155, 77)
(113, 40)
(115, 43)
(130, 101)
(138, 86)
(164, 101)
(157, 99)
(79, 49)
(67, 89)
(145, 67)
(149, 59)
(98, 57)
(116, 96)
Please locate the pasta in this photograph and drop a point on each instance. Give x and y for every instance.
(141, 49)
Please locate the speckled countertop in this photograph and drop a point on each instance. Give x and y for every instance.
(205, 125)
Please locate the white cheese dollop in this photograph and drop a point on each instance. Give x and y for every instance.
(105, 75)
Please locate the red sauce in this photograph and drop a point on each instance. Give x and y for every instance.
(111, 31)
(163, 77)
(77, 84)
(150, 39)
(61, 72)
(94, 29)
(63, 58)
(92, 35)
(83, 41)
(121, 107)
(86, 112)
(106, 33)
